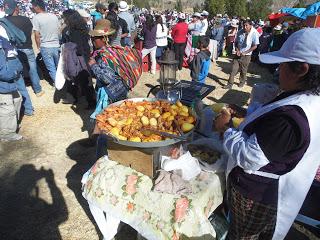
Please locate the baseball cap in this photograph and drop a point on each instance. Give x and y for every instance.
(204, 13)
(196, 14)
(302, 46)
(9, 6)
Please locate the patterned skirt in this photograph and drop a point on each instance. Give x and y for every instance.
(250, 220)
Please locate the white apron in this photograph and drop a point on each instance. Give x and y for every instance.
(294, 185)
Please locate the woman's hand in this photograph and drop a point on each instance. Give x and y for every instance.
(222, 121)
(92, 61)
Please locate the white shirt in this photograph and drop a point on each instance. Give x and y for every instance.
(204, 27)
(244, 42)
(162, 36)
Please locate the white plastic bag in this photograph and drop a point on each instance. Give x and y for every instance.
(60, 78)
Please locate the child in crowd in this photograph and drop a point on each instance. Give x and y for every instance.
(200, 64)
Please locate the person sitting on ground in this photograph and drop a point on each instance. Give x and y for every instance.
(200, 64)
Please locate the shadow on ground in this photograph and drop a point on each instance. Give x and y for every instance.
(233, 97)
(83, 152)
(24, 214)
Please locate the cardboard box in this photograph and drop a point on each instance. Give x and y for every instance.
(145, 161)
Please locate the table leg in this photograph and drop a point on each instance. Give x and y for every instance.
(107, 224)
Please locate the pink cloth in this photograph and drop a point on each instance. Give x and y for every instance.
(317, 178)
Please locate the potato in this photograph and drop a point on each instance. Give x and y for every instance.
(166, 115)
(184, 109)
(135, 139)
(145, 120)
(139, 114)
(122, 122)
(112, 122)
(115, 131)
(190, 119)
(170, 118)
(129, 121)
(157, 115)
(186, 127)
(173, 112)
(174, 107)
(155, 111)
(184, 114)
(237, 121)
(179, 104)
(140, 108)
(123, 138)
(153, 122)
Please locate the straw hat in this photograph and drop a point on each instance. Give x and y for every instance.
(102, 28)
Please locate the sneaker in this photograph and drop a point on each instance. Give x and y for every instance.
(228, 86)
(11, 137)
(39, 94)
(241, 84)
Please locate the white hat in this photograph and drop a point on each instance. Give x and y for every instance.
(196, 14)
(83, 13)
(261, 23)
(204, 13)
(182, 16)
(234, 23)
(278, 27)
(123, 6)
(302, 46)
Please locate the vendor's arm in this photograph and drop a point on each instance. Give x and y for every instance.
(271, 139)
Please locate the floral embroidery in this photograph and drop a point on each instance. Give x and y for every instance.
(181, 208)
(114, 200)
(130, 188)
(146, 215)
(160, 225)
(99, 192)
(130, 207)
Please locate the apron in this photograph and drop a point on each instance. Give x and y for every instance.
(294, 185)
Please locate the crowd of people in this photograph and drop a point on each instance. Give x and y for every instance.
(100, 44)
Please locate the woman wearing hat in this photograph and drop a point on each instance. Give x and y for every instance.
(110, 82)
(274, 155)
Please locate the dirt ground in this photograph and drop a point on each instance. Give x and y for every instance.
(40, 175)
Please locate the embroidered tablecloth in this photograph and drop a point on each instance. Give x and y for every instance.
(127, 195)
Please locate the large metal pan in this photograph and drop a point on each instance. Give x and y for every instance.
(158, 144)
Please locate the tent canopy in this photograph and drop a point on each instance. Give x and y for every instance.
(303, 13)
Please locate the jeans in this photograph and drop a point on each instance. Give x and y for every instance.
(127, 41)
(152, 52)
(26, 101)
(28, 61)
(50, 57)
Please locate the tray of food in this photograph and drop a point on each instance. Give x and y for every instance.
(127, 122)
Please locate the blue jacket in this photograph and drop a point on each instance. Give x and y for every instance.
(9, 70)
(199, 66)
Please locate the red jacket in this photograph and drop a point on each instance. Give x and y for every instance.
(179, 32)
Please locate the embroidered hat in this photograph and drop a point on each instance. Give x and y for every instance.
(302, 46)
(102, 28)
